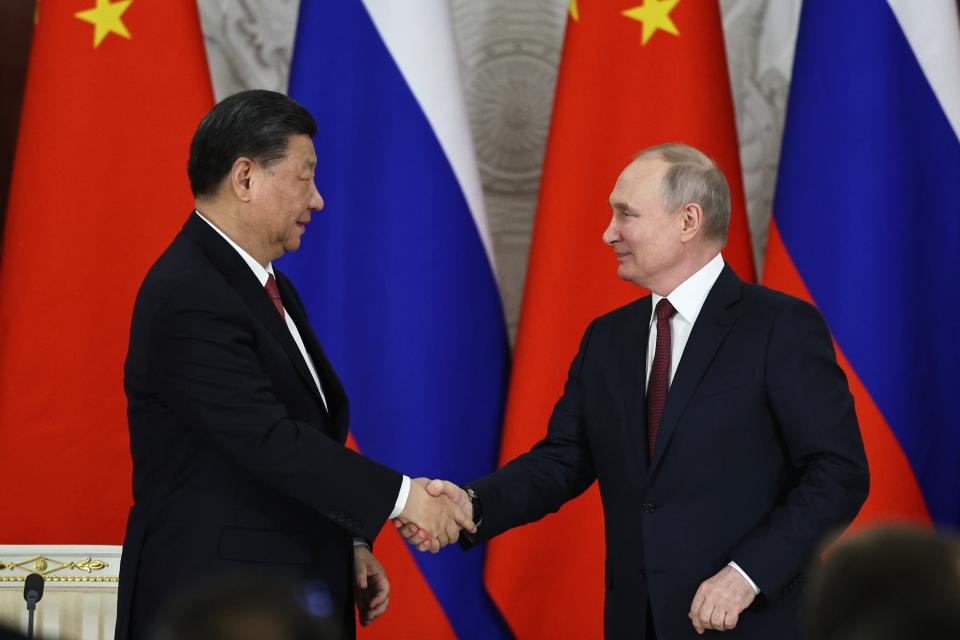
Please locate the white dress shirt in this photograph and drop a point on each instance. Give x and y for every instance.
(262, 275)
(687, 299)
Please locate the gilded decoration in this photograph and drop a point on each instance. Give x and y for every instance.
(53, 570)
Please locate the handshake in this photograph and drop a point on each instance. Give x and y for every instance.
(435, 514)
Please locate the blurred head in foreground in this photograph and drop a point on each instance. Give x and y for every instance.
(887, 583)
(244, 608)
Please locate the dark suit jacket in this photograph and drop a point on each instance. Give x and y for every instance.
(236, 463)
(758, 457)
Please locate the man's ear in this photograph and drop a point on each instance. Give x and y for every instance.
(241, 174)
(691, 221)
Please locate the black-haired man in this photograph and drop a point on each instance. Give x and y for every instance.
(237, 420)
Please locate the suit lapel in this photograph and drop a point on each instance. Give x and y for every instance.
(714, 322)
(245, 284)
(633, 359)
(332, 387)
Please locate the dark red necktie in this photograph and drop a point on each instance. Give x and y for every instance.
(274, 293)
(659, 374)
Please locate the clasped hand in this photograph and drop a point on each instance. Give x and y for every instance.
(435, 513)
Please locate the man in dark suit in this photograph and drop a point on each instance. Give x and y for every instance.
(237, 420)
(713, 415)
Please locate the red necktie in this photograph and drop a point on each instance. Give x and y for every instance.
(659, 374)
(274, 293)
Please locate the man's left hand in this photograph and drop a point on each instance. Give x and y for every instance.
(720, 600)
(370, 586)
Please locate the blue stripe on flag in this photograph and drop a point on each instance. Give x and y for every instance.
(397, 283)
(867, 207)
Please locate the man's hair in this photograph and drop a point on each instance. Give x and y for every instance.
(886, 584)
(693, 177)
(253, 124)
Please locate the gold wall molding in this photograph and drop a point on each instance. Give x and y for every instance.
(47, 566)
(63, 565)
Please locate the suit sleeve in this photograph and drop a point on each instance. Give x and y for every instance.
(557, 469)
(809, 397)
(207, 371)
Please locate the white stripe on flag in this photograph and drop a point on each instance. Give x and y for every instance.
(420, 38)
(933, 31)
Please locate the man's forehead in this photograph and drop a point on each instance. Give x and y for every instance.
(643, 171)
(300, 147)
(638, 179)
(646, 166)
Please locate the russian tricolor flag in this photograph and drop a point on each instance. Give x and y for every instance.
(867, 225)
(397, 273)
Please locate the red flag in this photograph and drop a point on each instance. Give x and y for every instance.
(114, 92)
(631, 76)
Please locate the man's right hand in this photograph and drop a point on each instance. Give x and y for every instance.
(434, 514)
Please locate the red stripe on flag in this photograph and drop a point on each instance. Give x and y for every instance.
(894, 491)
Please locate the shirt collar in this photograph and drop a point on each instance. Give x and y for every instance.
(689, 296)
(258, 270)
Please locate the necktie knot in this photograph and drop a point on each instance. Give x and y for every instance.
(274, 293)
(664, 310)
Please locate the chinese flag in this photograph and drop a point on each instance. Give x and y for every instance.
(634, 73)
(114, 92)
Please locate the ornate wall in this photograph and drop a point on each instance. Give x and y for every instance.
(509, 52)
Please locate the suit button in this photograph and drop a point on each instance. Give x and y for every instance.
(647, 507)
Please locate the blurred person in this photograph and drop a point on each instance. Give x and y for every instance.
(887, 583)
(244, 607)
(8, 633)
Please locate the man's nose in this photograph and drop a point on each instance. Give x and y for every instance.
(316, 202)
(610, 234)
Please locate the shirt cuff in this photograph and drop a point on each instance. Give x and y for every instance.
(753, 584)
(360, 542)
(402, 498)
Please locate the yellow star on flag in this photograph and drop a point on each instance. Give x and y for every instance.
(105, 17)
(574, 11)
(655, 16)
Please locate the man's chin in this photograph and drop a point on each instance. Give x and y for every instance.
(628, 275)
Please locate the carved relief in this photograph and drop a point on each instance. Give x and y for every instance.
(509, 53)
(249, 43)
(760, 39)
